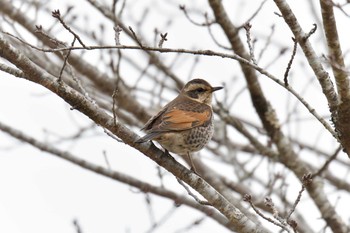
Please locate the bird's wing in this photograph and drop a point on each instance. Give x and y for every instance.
(154, 120)
(179, 119)
(175, 116)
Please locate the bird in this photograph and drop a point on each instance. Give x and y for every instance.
(185, 124)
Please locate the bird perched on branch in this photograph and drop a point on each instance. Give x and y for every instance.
(185, 124)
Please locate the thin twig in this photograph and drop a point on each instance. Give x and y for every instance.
(340, 7)
(290, 62)
(114, 3)
(77, 226)
(207, 23)
(65, 60)
(39, 30)
(267, 43)
(275, 213)
(114, 105)
(192, 194)
(212, 35)
(117, 31)
(247, 28)
(116, 91)
(112, 135)
(135, 37)
(162, 220)
(312, 31)
(334, 64)
(256, 12)
(192, 225)
(248, 198)
(160, 175)
(106, 160)
(122, 9)
(56, 14)
(306, 180)
(150, 210)
(328, 161)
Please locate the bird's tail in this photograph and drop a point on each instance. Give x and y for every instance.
(148, 137)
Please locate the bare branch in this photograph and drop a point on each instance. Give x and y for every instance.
(306, 180)
(247, 28)
(65, 60)
(341, 120)
(56, 14)
(290, 62)
(313, 59)
(326, 164)
(248, 198)
(136, 37)
(77, 226)
(192, 194)
(256, 12)
(117, 31)
(207, 23)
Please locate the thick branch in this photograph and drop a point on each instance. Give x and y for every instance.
(335, 52)
(312, 58)
(336, 59)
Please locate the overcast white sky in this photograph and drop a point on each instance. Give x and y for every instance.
(40, 193)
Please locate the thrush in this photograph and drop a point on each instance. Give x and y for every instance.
(184, 125)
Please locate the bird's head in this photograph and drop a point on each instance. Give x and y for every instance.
(199, 90)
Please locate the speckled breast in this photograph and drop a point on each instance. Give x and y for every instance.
(191, 140)
(198, 137)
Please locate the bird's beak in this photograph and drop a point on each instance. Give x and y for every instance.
(216, 89)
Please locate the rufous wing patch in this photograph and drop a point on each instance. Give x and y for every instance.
(177, 119)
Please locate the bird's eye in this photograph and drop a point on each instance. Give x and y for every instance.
(195, 92)
(200, 90)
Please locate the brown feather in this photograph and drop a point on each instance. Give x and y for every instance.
(177, 119)
(174, 117)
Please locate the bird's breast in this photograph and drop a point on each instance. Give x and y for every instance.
(190, 140)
